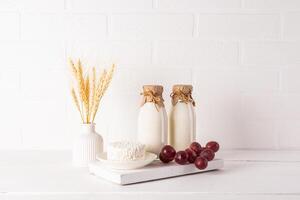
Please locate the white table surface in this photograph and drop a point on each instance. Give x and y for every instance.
(49, 175)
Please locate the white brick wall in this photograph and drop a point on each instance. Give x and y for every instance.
(198, 4)
(270, 52)
(239, 26)
(272, 4)
(290, 25)
(242, 56)
(9, 23)
(112, 5)
(152, 26)
(195, 53)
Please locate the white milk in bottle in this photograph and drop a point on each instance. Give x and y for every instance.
(182, 119)
(152, 120)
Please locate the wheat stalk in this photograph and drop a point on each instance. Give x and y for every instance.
(98, 95)
(81, 87)
(73, 68)
(104, 82)
(109, 77)
(90, 92)
(75, 99)
(87, 95)
(93, 91)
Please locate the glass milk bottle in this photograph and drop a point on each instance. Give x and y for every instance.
(182, 119)
(152, 119)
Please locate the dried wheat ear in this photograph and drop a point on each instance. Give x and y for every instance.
(87, 93)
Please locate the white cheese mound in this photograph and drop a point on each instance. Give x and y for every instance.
(125, 151)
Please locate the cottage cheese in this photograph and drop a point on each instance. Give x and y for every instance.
(125, 151)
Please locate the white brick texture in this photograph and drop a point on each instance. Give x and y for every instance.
(237, 80)
(291, 28)
(105, 52)
(239, 26)
(9, 23)
(271, 53)
(31, 5)
(60, 26)
(198, 4)
(152, 26)
(32, 54)
(196, 52)
(290, 79)
(108, 5)
(272, 4)
(241, 56)
(36, 26)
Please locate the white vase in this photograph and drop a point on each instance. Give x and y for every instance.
(87, 145)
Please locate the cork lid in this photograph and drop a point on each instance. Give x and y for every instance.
(186, 89)
(153, 93)
(182, 93)
(156, 89)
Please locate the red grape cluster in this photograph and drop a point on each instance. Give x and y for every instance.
(194, 154)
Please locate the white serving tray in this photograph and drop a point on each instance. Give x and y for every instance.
(154, 171)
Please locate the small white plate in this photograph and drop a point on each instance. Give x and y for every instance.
(131, 164)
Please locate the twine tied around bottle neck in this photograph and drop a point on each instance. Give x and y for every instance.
(182, 93)
(153, 94)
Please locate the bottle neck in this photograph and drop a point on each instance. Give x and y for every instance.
(88, 128)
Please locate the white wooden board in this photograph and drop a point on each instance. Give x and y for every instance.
(154, 171)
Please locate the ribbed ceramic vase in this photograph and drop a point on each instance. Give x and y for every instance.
(86, 146)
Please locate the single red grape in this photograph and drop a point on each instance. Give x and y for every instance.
(191, 155)
(201, 163)
(162, 159)
(213, 146)
(208, 154)
(196, 147)
(168, 152)
(181, 157)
